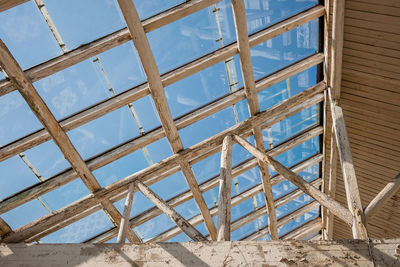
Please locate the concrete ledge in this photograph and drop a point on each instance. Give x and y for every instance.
(265, 253)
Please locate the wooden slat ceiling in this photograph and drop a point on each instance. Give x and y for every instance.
(370, 98)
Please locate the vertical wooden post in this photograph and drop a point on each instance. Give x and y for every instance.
(349, 174)
(124, 225)
(225, 182)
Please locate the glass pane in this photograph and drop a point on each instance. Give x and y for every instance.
(24, 214)
(285, 49)
(147, 8)
(27, 36)
(16, 118)
(80, 230)
(192, 36)
(299, 221)
(80, 22)
(261, 14)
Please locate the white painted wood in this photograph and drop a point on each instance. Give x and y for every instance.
(186, 227)
(124, 225)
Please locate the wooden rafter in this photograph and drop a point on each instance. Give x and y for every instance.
(149, 64)
(42, 112)
(331, 204)
(183, 224)
(349, 174)
(254, 107)
(268, 117)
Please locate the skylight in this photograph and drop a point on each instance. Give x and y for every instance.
(102, 101)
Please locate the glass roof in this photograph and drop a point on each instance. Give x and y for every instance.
(117, 70)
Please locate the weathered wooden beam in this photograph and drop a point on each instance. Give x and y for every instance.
(124, 225)
(382, 197)
(272, 253)
(4, 228)
(349, 175)
(168, 166)
(149, 64)
(186, 227)
(7, 4)
(224, 197)
(42, 112)
(331, 185)
(136, 93)
(283, 220)
(331, 204)
(213, 182)
(337, 47)
(105, 43)
(254, 107)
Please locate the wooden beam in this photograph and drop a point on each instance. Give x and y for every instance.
(331, 204)
(224, 197)
(213, 182)
(254, 107)
(331, 185)
(337, 47)
(7, 4)
(186, 227)
(382, 197)
(142, 45)
(168, 166)
(4, 228)
(42, 112)
(124, 225)
(349, 174)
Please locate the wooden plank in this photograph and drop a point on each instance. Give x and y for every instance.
(124, 225)
(224, 196)
(337, 47)
(4, 228)
(42, 112)
(186, 227)
(384, 195)
(7, 4)
(322, 198)
(166, 167)
(349, 175)
(254, 107)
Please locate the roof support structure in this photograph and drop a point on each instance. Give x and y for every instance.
(213, 182)
(349, 174)
(224, 197)
(42, 112)
(124, 225)
(254, 107)
(157, 171)
(334, 206)
(142, 45)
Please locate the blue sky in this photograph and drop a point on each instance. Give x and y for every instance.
(26, 34)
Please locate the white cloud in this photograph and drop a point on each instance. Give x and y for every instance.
(64, 101)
